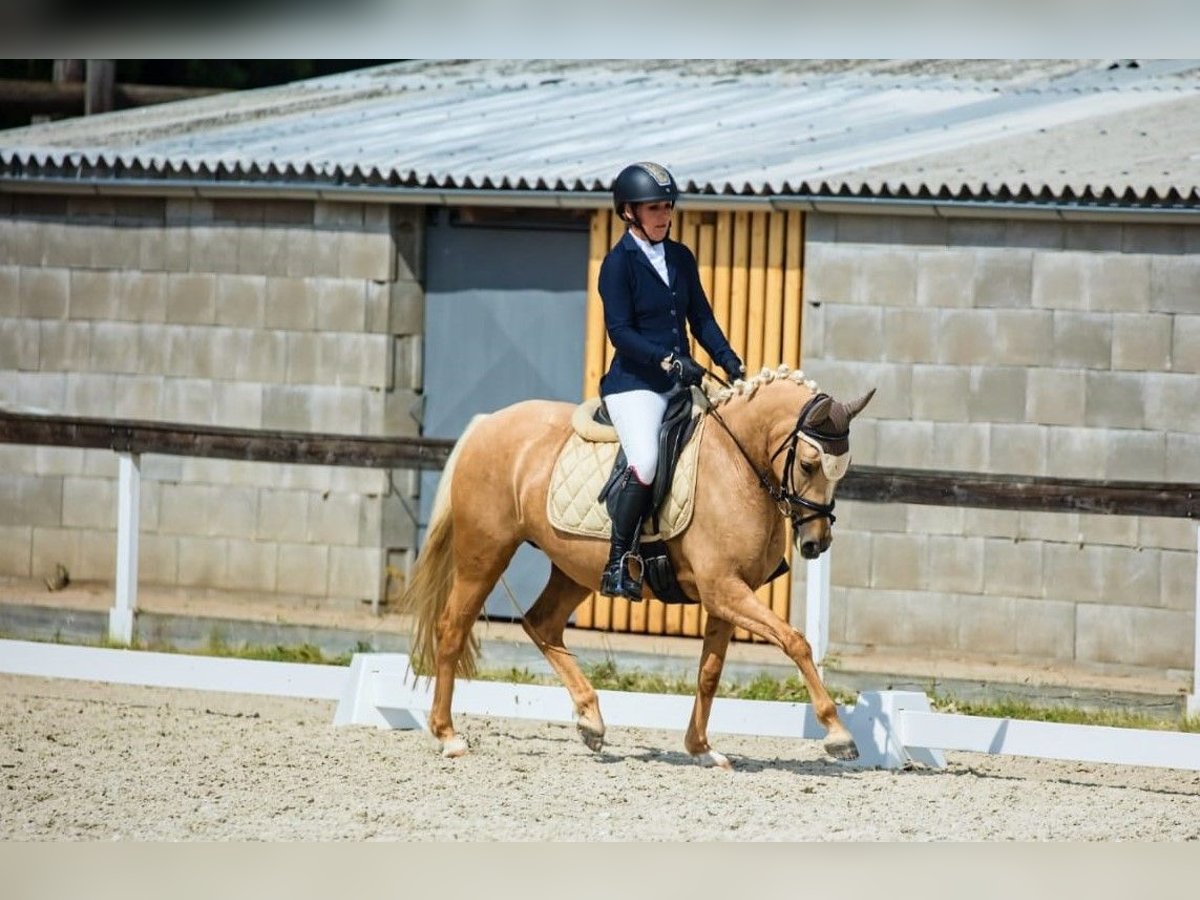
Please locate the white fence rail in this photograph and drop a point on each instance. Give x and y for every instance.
(892, 728)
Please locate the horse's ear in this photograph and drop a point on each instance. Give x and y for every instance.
(854, 407)
(819, 411)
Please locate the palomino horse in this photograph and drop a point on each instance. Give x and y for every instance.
(777, 459)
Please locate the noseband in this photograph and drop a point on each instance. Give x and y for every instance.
(790, 503)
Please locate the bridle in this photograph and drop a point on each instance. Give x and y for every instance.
(790, 504)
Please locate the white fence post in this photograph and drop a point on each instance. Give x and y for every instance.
(1193, 700)
(129, 489)
(816, 606)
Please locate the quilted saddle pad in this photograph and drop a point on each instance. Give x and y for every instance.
(580, 472)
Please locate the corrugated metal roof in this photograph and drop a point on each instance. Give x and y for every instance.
(1009, 130)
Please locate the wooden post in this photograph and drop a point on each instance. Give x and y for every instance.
(101, 76)
(129, 489)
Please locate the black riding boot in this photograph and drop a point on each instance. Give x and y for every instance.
(626, 505)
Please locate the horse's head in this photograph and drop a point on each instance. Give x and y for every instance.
(817, 457)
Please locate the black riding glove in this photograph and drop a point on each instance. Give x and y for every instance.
(735, 370)
(685, 370)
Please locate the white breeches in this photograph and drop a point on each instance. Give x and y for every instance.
(637, 416)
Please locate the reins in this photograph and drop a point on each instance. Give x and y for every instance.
(785, 496)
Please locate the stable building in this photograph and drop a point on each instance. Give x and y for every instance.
(1007, 250)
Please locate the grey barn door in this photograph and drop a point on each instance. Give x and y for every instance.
(505, 306)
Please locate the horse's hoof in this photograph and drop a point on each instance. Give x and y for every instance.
(593, 737)
(713, 760)
(841, 747)
(454, 748)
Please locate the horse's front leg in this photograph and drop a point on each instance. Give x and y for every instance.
(733, 600)
(717, 633)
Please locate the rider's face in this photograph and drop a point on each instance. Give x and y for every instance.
(655, 219)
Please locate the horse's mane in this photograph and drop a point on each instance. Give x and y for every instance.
(747, 388)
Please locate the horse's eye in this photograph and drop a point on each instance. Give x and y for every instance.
(808, 467)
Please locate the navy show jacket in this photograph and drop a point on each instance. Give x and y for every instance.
(647, 320)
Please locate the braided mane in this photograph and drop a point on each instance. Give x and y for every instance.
(719, 396)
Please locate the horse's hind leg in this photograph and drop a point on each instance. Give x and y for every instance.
(544, 623)
(472, 584)
(717, 633)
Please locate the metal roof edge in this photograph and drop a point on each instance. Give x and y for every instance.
(853, 205)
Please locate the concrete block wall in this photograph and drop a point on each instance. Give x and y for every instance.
(283, 315)
(1024, 347)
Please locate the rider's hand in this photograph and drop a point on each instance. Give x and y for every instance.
(735, 370)
(685, 370)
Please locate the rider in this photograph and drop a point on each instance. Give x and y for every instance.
(650, 287)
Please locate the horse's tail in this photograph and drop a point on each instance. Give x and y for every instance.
(428, 588)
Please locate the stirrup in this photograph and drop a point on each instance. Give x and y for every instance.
(616, 580)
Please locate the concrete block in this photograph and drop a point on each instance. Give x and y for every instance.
(10, 287)
(1161, 638)
(184, 508)
(1024, 337)
(909, 444)
(1131, 636)
(375, 361)
(8, 240)
(67, 245)
(865, 229)
(142, 297)
(360, 480)
(940, 393)
(1044, 629)
(251, 566)
(1013, 568)
(367, 255)
(189, 352)
(1055, 396)
(54, 546)
(341, 305)
(1130, 575)
(858, 515)
(1077, 453)
(1003, 278)
(1118, 531)
(20, 459)
(302, 569)
(1082, 340)
(213, 248)
(154, 348)
(977, 233)
(191, 299)
(1141, 342)
(291, 304)
(830, 275)
(987, 625)
(1095, 236)
(138, 397)
(864, 442)
(237, 212)
(408, 237)
(1185, 343)
(238, 404)
(1115, 400)
(1177, 584)
(29, 248)
(327, 253)
(19, 343)
(202, 561)
(282, 516)
(1165, 534)
(334, 519)
(1119, 282)
(873, 619)
(158, 559)
(188, 400)
(1057, 527)
(888, 278)
(94, 295)
(954, 564)
(405, 358)
(1172, 283)
(188, 211)
(176, 256)
(967, 337)
(272, 257)
(910, 335)
(958, 447)
(96, 558)
(232, 511)
(401, 417)
(1141, 238)
(1183, 458)
(152, 249)
(1074, 572)
(115, 247)
(16, 550)
(115, 347)
(356, 573)
(303, 354)
(42, 390)
(853, 332)
(240, 300)
(997, 394)
(262, 356)
(1136, 456)
(30, 500)
(88, 394)
(44, 293)
(1171, 402)
(339, 359)
(1017, 449)
(898, 561)
(851, 558)
(301, 248)
(990, 522)
(1035, 234)
(251, 251)
(337, 215)
(1059, 281)
(288, 408)
(288, 212)
(337, 410)
(55, 460)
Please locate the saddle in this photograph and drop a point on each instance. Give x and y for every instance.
(590, 464)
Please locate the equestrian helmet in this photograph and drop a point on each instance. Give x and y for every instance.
(643, 182)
